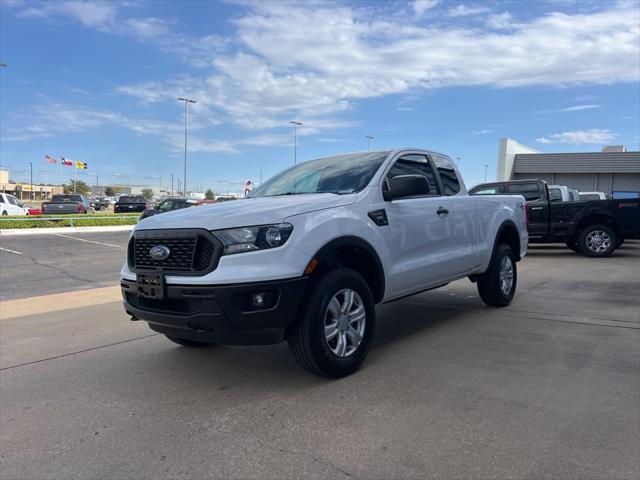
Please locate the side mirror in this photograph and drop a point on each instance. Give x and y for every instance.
(403, 186)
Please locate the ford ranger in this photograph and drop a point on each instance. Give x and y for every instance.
(307, 256)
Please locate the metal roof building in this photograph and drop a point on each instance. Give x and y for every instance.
(613, 171)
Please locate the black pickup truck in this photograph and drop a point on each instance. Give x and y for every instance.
(592, 227)
(131, 204)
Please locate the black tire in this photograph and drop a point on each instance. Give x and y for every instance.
(490, 283)
(593, 244)
(306, 337)
(4, 214)
(573, 245)
(185, 342)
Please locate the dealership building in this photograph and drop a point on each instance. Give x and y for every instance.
(613, 170)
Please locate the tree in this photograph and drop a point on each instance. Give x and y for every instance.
(81, 188)
(111, 191)
(147, 193)
(209, 195)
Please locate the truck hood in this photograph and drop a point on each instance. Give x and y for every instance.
(245, 212)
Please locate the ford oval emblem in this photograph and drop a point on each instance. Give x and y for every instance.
(159, 252)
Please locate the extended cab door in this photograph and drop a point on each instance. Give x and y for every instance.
(535, 195)
(420, 235)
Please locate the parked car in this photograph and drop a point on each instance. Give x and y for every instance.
(10, 205)
(595, 228)
(310, 252)
(130, 204)
(593, 196)
(175, 203)
(34, 211)
(67, 204)
(100, 203)
(562, 193)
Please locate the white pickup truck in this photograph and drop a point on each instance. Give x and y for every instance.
(311, 252)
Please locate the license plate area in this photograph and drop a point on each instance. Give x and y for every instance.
(150, 286)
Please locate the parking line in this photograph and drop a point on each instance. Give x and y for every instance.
(89, 241)
(10, 251)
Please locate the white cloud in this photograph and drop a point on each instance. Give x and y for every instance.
(315, 61)
(578, 137)
(465, 10)
(500, 21)
(482, 132)
(420, 7)
(577, 108)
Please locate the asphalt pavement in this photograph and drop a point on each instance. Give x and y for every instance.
(40, 264)
(545, 388)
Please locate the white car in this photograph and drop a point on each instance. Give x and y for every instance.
(562, 193)
(310, 252)
(10, 205)
(593, 196)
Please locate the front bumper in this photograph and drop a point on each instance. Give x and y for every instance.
(219, 313)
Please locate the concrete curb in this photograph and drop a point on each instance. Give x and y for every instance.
(49, 231)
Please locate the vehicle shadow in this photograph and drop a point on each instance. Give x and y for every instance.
(262, 368)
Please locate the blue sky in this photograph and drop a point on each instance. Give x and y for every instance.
(97, 81)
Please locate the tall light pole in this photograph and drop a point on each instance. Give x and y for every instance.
(458, 162)
(172, 184)
(295, 124)
(485, 173)
(369, 138)
(186, 101)
(31, 191)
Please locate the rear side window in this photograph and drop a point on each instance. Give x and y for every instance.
(529, 191)
(415, 165)
(450, 182)
(486, 191)
(555, 195)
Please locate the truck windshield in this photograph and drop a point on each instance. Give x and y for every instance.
(340, 174)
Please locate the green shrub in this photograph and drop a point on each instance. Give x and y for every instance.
(84, 221)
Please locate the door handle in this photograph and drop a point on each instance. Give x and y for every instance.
(537, 208)
(442, 211)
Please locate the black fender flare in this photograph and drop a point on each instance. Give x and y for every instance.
(353, 241)
(503, 226)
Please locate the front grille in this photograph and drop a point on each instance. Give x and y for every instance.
(192, 251)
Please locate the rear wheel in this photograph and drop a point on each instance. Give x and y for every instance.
(597, 241)
(4, 213)
(332, 334)
(497, 285)
(185, 342)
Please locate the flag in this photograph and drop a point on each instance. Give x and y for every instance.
(50, 159)
(81, 165)
(66, 162)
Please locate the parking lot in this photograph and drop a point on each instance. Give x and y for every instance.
(545, 388)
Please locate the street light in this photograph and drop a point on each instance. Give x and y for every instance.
(172, 184)
(485, 173)
(369, 138)
(186, 101)
(295, 124)
(458, 162)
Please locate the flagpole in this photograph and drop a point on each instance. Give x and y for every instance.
(75, 178)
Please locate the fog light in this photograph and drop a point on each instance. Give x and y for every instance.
(259, 299)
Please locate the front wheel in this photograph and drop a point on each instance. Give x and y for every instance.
(332, 334)
(497, 285)
(597, 241)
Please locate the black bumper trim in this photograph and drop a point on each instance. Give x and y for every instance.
(219, 313)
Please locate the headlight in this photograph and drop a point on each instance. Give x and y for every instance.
(248, 239)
